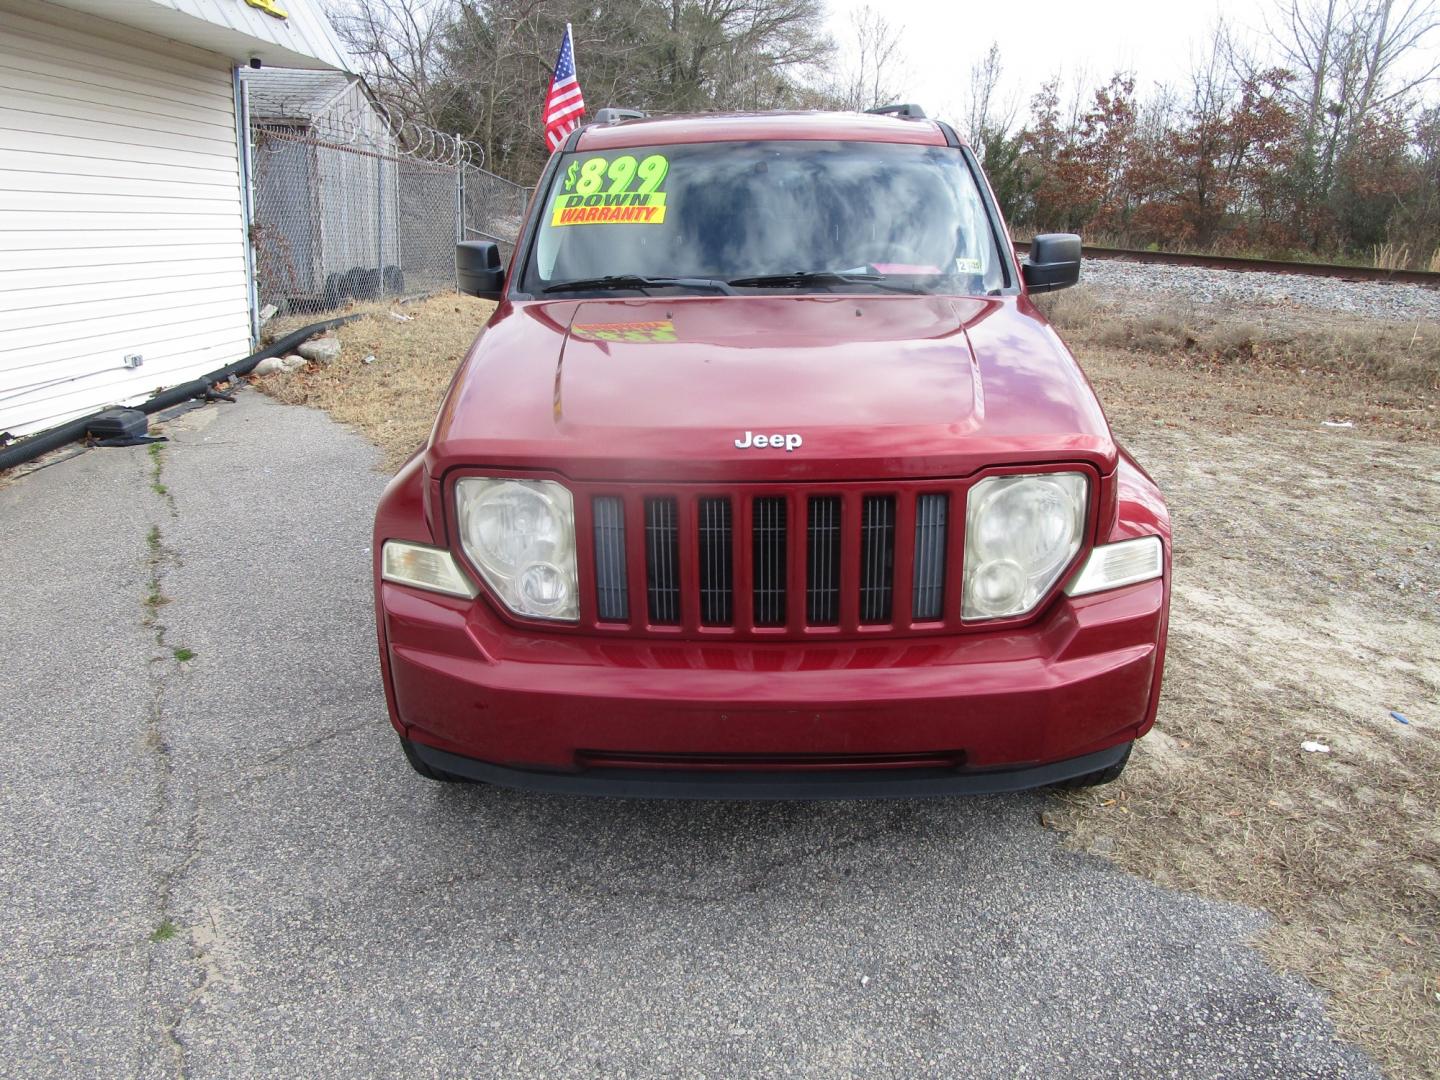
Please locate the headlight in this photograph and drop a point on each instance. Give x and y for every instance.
(520, 534)
(1020, 534)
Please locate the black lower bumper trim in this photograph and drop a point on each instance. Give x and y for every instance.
(668, 784)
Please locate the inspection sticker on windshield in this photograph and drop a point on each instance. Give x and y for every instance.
(612, 191)
(965, 264)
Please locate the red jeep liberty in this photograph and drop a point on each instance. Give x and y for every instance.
(766, 479)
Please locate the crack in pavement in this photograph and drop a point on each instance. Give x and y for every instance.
(171, 853)
(309, 744)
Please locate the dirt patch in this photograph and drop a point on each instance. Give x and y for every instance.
(393, 398)
(1306, 608)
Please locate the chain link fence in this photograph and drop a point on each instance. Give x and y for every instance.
(338, 221)
(491, 208)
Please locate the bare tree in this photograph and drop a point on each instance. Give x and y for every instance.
(1351, 59)
(1393, 33)
(876, 72)
(659, 55)
(985, 114)
(398, 45)
(738, 53)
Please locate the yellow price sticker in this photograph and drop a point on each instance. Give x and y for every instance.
(621, 190)
(632, 208)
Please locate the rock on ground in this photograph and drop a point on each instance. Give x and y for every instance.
(321, 350)
(279, 365)
(1250, 288)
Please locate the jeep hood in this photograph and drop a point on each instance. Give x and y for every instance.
(876, 386)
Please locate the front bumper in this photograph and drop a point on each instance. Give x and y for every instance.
(716, 784)
(885, 715)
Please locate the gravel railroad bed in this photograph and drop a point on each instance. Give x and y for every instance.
(1253, 289)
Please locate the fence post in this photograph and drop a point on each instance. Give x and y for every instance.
(459, 193)
(380, 223)
(459, 205)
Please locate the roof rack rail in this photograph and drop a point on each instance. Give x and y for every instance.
(612, 116)
(909, 112)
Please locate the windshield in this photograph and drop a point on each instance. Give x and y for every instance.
(813, 216)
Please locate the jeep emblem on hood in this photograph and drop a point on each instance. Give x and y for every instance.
(790, 442)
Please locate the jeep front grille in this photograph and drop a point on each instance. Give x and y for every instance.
(769, 536)
(877, 557)
(931, 513)
(716, 558)
(662, 561)
(822, 567)
(837, 558)
(610, 577)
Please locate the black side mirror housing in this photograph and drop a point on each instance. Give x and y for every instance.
(478, 269)
(1053, 263)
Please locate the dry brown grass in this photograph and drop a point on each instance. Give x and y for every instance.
(1365, 365)
(1388, 256)
(393, 400)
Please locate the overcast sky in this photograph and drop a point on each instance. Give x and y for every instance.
(1037, 38)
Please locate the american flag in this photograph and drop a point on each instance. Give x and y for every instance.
(563, 104)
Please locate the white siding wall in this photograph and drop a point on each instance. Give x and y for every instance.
(121, 225)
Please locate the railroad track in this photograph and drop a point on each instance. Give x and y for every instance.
(1269, 266)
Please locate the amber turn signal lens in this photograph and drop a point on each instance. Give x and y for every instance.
(424, 567)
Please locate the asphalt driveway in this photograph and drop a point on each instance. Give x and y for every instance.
(221, 866)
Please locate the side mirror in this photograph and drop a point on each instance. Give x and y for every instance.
(1053, 263)
(478, 270)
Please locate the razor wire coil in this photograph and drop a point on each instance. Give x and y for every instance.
(364, 203)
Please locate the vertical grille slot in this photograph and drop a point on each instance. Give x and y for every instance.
(716, 545)
(877, 557)
(662, 561)
(822, 571)
(768, 534)
(931, 512)
(611, 582)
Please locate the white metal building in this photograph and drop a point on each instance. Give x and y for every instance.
(123, 205)
(326, 195)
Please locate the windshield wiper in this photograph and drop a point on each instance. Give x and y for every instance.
(638, 281)
(798, 278)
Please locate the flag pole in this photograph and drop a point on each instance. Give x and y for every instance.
(575, 66)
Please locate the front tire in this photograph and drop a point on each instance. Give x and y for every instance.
(1099, 776)
(428, 771)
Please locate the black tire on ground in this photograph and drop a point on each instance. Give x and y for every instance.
(1099, 776)
(429, 772)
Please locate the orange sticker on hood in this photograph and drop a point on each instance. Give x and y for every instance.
(659, 330)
